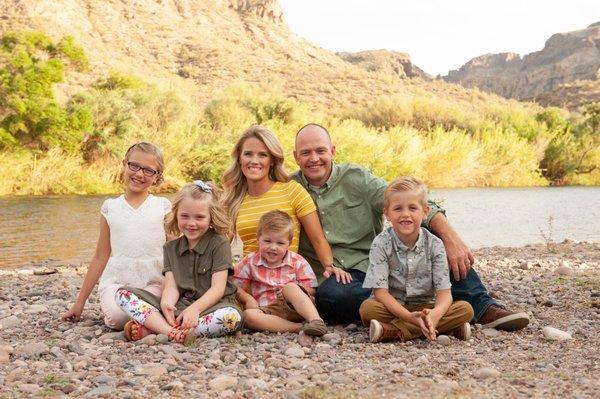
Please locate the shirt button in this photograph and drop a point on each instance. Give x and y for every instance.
(342, 261)
(326, 232)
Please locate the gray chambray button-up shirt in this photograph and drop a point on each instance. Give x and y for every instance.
(412, 275)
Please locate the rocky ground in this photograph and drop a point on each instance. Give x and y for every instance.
(558, 285)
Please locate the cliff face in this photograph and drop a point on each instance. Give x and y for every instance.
(565, 58)
(389, 62)
(203, 46)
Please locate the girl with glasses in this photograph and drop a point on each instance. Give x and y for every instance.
(132, 234)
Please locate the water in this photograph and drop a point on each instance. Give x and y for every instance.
(65, 228)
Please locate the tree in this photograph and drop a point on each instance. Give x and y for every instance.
(30, 65)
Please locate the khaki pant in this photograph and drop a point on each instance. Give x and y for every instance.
(458, 313)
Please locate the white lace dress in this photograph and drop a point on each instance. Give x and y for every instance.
(137, 237)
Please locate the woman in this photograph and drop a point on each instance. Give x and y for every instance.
(256, 183)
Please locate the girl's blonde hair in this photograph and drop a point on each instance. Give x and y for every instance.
(204, 191)
(148, 148)
(234, 181)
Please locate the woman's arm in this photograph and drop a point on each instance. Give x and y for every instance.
(95, 269)
(189, 317)
(312, 227)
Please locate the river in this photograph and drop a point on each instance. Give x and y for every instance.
(65, 228)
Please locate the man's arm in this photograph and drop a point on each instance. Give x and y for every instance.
(460, 257)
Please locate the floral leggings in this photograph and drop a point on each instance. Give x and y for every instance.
(220, 322)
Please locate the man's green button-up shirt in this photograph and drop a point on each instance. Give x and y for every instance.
(350, 207)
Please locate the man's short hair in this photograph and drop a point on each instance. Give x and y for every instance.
(403, 184)
(314, 125)
(276, 221)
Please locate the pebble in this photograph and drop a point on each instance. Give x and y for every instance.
(554, 334)
(4, 356)
(294, 352)
(443, 340)
(162, 338)
(149, 340)
(304, 340)
(173, 386)
(486, 372)
(563, 271)
(151, 369)
(255, 383)
(112, 336)
(10, 322)
(491, 332)
(100, 391)
(351, 327)
(223, 382)
(33, 309)
(35, 349)
(329, 337)
(549, 303)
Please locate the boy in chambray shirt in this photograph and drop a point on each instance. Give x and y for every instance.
(408, 272)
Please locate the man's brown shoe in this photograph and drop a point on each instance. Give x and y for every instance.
(501, 319)
(463, 332)
(384, 332)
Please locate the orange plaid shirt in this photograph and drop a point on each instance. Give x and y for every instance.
(264, 283)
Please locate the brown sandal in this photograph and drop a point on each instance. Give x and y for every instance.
(134, 331)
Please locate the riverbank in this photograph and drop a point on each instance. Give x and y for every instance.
(558, 285)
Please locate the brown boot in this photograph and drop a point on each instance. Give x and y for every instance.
(384, 332)
(501, 319)
(462, 332)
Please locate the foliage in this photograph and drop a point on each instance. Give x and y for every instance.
(77, 147)
(30, 65)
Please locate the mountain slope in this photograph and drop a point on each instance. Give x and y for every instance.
(204, 46)
(565, 59)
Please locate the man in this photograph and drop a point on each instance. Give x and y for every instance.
(349, 202)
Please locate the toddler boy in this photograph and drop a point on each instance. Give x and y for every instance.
(408, 272)
(276, 284)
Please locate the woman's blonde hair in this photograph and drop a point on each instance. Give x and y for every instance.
(205, 191)
(234, 181)
(148, 148)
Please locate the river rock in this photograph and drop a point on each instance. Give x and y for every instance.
(29, 388)
(332, 337)
(4, 356)
(304, 340)
(100, 391)
(554, 334)
(149, 339)
(563, 270)
(162, 338)
(10, 322)
(35, 349)
(491, 332)
(173, 386)
(255, 383)
(223, 382)
(33, 309)
(151, 369)
(486, 372)
(294, 352)
(443, 340)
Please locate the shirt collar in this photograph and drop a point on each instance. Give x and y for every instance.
(182, 245)
(418, 247)
(287, 260)
(335, 171)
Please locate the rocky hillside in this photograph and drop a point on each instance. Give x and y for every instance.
(388, 62)
(564, 72)
(204, 46)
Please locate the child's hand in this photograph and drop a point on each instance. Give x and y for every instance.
(188, 318)
(429, 324)
(168, 311)
(419, 321)
(73, 314)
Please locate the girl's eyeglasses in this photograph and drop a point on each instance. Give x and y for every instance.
(134, 167)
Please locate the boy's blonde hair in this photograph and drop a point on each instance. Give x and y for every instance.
(148, 148)
(276, 221)
(402, 184)
(205, 191)
(234, 181)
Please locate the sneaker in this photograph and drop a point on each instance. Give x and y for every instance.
(501, 319)
(315, 328)
(463, 332)
(383, 332)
